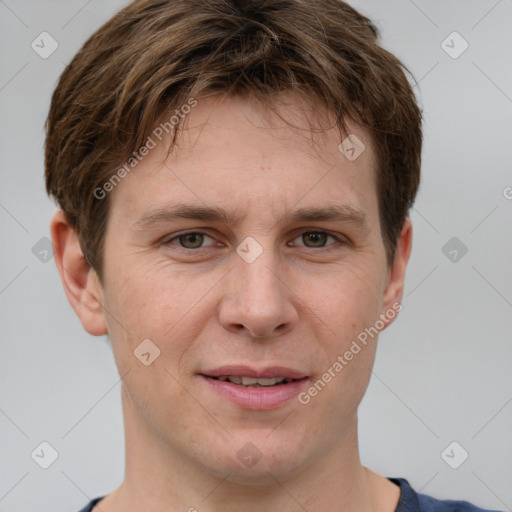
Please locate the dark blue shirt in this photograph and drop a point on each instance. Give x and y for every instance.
(410, 501)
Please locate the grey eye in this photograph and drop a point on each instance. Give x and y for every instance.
(191, 240)
(314, 239)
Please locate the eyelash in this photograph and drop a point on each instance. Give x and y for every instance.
(337, 240)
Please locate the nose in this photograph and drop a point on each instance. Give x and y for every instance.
(258, 302)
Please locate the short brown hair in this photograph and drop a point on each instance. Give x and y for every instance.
(153, 55)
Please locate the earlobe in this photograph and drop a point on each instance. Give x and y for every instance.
(395, 286)
(80, 281)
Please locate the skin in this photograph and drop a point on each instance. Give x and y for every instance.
(299, 305)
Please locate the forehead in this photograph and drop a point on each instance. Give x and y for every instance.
(238, 153)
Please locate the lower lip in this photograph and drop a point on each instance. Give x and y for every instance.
(257, 398)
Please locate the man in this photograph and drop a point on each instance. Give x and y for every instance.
(234, 181)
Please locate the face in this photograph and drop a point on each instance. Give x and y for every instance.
(252, 250)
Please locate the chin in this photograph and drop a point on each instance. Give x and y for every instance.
(260, 475)
(258, 461)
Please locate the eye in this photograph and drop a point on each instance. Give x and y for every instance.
(316, 239)
(191, 240)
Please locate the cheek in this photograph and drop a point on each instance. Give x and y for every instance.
(347, 305)
(347, 299)
(169, 308)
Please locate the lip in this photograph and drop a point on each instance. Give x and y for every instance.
(256, 398)
(262, 373)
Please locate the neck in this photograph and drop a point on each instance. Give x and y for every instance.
(162, 479)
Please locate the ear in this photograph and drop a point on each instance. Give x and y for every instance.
(395, 285)
(79, 279)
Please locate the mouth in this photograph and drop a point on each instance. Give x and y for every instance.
(252, 382)
(250, 388)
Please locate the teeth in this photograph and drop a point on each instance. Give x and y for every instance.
(251, 381)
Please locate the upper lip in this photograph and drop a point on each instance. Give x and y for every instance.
(261, 373)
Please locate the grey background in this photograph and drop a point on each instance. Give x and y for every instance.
(443, 369)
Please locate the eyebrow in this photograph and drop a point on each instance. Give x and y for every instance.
(333, 213)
